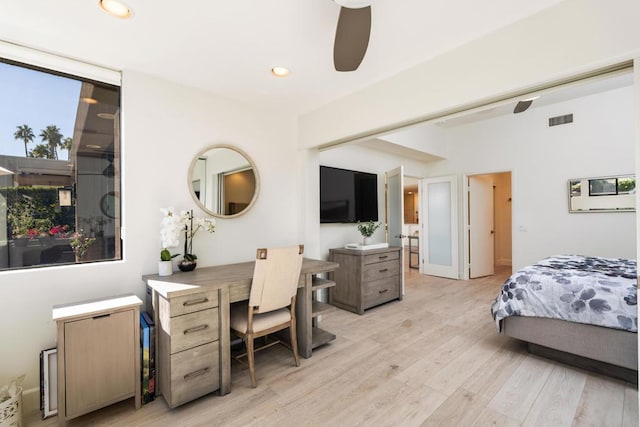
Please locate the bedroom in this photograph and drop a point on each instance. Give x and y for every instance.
(541, 158)
(274, 140)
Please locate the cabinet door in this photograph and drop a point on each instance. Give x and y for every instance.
(99, 361)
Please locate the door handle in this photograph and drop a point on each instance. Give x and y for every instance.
(493, 232)
(400, 236)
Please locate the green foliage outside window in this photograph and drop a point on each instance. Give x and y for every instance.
(35, 211)
(625, 185)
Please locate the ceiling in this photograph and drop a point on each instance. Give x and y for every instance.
(229, 47)
(389, 143)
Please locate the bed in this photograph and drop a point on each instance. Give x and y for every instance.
(577, 309)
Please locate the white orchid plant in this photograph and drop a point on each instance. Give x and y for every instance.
(191, 226)
(173, 224)
(170, 229)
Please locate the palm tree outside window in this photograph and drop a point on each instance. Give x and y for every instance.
(24, 133)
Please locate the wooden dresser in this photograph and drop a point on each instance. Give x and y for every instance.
(365, 278)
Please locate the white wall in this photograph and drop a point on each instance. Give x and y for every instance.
(364, 160)
(599, 142)
(164, 126)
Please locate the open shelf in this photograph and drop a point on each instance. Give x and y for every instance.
(321, 337)
(319, 283)
(318, 308)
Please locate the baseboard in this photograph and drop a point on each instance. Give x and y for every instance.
(31, 400)
(503, 262)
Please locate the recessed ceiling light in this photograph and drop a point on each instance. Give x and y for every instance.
(280, 71)
(106, 116)
(94, 146)
(88, 100)
(116, 8)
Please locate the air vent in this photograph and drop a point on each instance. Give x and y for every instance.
(560, 120)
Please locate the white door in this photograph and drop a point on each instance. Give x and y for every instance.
(394, 207)
(481, 227)
(439, 233)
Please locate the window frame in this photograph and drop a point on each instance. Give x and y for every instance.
(93, 75)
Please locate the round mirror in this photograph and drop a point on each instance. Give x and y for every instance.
(224, 181)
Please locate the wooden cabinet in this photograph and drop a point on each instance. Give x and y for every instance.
(365, 278)
(98, 354)
(188, 346)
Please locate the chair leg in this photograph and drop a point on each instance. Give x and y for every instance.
(250, 357)
(294, 343)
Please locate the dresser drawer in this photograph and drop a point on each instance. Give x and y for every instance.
(381, 270)
(194, 372)
(193, 302)
(193, 329)
(386, 256)
(379, 291)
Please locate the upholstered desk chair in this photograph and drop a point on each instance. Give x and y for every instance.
(272, 301)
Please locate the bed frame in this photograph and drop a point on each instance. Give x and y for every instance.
(612, 352)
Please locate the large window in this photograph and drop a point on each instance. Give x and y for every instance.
(59, 168)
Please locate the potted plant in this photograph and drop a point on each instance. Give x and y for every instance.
(165, 266)
(367, 229)
(80, 244)
(169, 232)
(191, 226)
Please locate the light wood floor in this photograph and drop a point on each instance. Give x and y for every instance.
(432, 359)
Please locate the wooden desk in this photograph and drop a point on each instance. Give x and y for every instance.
(232, 283)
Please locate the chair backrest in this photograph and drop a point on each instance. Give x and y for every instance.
(275, 277)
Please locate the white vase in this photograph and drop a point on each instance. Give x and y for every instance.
(165, 268)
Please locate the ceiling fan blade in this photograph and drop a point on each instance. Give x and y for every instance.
(522, 106)
(352, 38)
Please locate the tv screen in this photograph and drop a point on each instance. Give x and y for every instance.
(347, 195)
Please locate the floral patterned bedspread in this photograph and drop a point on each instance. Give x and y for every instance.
(597, 291)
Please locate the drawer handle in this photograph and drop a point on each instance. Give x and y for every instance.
(383, 291)
(383, 270)
(195, 302)
(101, 316)
(196, 374)
(383, 257)
(195, 329)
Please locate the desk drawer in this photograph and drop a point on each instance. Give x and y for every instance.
(386, 256)
(194, 372)
(193, 329)
(193, 302)
(379, 291)
(381, 270)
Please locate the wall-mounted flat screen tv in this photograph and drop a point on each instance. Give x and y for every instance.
(347, 195)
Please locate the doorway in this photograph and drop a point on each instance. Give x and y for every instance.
(411, 230)
(489, 224)
(439, 230)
